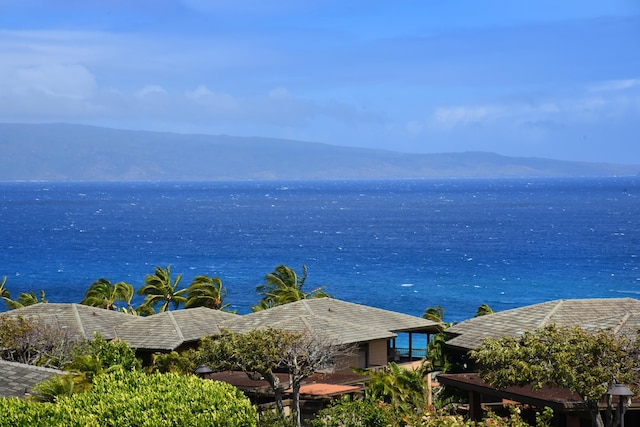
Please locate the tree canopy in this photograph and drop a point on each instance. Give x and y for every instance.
(104, 294)
(283, 286)
(587, 363)
(205, 291)
(161, 288)
(35, 342)
(265, 351)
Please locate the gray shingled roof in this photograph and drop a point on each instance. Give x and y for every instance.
(621, 315)
(171, 329)
(16, 378)
(83, 320)
(333, 330)
(344, 322)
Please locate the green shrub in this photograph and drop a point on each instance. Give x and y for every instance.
(179, 363)
(131, 398)
(356, 413)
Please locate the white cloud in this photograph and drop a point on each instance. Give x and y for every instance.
(54, 80)
(151, 90)
(613, 100)
(616, 85)
(450, 117)
(213, 101)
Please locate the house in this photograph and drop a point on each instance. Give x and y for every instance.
(372, 330)
(81, 321)
(620, 315)
(171, 330)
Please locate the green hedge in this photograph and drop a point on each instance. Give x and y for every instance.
(136, 399)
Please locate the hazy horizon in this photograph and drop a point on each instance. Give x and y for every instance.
(522, 79)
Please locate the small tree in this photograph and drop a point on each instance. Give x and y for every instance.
(304, 354)
(264, 351)
(99, 356)
(586, 363)
(35, 342)
(256, 353)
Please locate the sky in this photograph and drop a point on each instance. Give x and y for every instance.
(528, 78)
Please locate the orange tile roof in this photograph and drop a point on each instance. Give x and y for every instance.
(323, 389)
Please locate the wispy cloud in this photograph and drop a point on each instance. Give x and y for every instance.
(616, 85)
(619, 98)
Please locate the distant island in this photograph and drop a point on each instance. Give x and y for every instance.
(68, 152)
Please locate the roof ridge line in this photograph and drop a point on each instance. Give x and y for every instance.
(622, 322)
(553, 311)
(175, 325)
(306, 324)
(307, 307)
(76, 314)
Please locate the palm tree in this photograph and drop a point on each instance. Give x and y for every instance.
(284, 286)
(4, 293)
(56, 386)
(103, 294)
(483, 310)
(436, 314)
(398, 386)
(23, 300)
(159, 288)
(206, 291)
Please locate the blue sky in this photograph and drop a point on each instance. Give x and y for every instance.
(533, 78)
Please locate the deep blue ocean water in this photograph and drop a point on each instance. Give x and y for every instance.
(398, 245)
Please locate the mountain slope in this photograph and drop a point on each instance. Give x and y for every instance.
(87, 153)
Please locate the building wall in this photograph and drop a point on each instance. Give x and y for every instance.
(378, 353)
(365, 355)
(345, 363)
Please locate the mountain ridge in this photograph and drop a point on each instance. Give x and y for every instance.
(70, 152)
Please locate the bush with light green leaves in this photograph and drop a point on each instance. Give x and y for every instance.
(136, 399)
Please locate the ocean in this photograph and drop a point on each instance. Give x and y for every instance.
(399, 245)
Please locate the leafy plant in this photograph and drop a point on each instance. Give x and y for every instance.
(132, 398)
(356, 413)
(586, 363)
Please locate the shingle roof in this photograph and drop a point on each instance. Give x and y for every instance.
(171, 329)
(18, 378)
(341, 321)
(560, 399)
(621, 315)
(83, 320)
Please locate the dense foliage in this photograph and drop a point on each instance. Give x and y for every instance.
(135, 399)
(356, 413)
(370, 412)
(402, 388)
(91, 359)
(587, 363)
